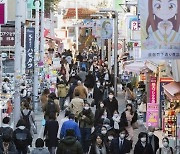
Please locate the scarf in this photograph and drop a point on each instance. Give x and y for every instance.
(116, 121)
(101, 150)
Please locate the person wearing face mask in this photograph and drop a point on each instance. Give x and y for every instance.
(115, 121)
(128, 118)
(166, 149)
(98, 93)
(111, 104)
(142, 146)
(120, 145)
(86, 122)
(153, 139)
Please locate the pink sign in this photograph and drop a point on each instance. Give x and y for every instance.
(152, 118)
(2, 14)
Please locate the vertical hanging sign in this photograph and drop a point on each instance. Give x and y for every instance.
(30, 37)
(2, 14)
(152, 105)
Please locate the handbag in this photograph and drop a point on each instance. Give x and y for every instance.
(66, 103)
(135, 125)
(34, 128)
(142, 107)
(46, 140)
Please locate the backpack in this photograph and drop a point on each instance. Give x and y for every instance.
(170, 149)
(21, 138)
(50, 108)
(26, 119)
(68, 150)
(6, 131)
(83, 65)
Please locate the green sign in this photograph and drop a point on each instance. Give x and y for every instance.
(31, 4)
(117, 5)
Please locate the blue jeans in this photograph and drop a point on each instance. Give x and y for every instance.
(85, 138)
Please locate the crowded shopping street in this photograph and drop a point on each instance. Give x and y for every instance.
(89, 77)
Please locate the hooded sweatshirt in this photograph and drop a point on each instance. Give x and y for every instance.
(69, 144)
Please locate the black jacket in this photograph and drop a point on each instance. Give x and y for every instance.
(124, 122)
(115, 148)
(156, 143)
(90, 81)
(111, 106)
(69, 144)
(139, 149)
(50, 132)
(98, 95)
(25, 143)
(98, 113)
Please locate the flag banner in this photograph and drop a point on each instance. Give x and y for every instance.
(160, 29)
(30, 37)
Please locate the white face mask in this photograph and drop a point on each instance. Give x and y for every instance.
(110, 138)
(143, 140)
(116, 115)
(86, 107)
(103, 132)
(110, 96)
(101, 105)
(165, 144)
(150, 133)
(98, 84)
(122, 136)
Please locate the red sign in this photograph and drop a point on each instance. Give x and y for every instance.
(152, 105)
(134, 25)
(2, 14)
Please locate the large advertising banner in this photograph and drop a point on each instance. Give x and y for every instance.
(160, 32)
(152, 117)
(106, 28)
(30, 37)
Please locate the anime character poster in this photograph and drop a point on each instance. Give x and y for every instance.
(106, 29)
(160, 29)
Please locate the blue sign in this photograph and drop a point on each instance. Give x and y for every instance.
(30, 38)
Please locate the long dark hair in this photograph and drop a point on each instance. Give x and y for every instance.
(132, 112)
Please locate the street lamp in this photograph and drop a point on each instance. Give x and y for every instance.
(115, 17)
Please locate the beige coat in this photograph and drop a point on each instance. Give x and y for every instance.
(76, 106)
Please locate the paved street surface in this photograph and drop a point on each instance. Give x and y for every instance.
(122, 105)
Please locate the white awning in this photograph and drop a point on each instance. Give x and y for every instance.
(135, 67)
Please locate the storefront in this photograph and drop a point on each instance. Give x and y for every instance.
(171, 112)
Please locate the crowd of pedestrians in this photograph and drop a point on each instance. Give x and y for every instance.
(92, 123)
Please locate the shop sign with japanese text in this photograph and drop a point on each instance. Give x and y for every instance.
(7, 36)
(30, 37)
(152, 105)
